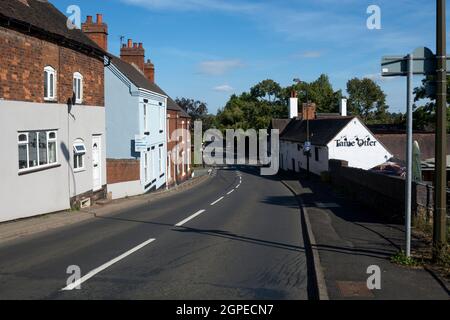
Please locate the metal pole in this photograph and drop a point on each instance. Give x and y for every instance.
(307, 139)
(439, 234)
(408, 189)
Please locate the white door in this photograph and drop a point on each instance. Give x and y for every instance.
(97, 162)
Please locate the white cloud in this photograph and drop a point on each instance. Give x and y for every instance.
(219, 67)
(223, 88)
(309, 54)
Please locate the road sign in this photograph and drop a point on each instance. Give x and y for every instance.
(307, 146)
(140, 143)
(424, 64)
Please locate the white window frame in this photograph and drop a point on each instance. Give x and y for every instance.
(48, 72)
(146, 163)
(161, 167)
(162, 118)
(183, 159)
(79, 154)
(78, 84)
(48, 141)
(145, 117)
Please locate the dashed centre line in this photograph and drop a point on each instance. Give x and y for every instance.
(230, 192)
(179, 224)
(217, 201)
(92, 273)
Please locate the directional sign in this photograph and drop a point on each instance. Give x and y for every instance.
(307, 146)
(424, 63)
(140, 143)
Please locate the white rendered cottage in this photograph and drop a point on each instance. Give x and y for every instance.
(332, 137)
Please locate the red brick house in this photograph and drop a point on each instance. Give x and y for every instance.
(179, 162)
(52, 114)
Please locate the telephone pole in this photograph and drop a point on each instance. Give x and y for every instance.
(440, 209)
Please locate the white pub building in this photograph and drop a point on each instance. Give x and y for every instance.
(331, 136)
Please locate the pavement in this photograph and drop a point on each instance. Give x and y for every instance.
(34, 225)
(350, 238)
(237, 235)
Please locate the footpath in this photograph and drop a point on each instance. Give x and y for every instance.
(30, 226)
(346, 239)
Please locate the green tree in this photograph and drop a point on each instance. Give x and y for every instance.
(320, 91)
(367, 100)
(253, 109)
(424, 117)
(197, 110)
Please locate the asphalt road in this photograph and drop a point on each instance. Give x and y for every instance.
(246, 245)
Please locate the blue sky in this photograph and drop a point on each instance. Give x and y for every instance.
(210, 49)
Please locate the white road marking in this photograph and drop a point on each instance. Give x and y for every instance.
(238, 185)
(218, 200)
(230, 192)
(104, 266)
(179, 224)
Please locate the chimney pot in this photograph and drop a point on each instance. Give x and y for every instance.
(130, 43)
(135, 45)
(343, 107)
(141, 45)
(97, 32)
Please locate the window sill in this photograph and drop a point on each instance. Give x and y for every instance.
(37, 169)
(50, 100)
(79, 170)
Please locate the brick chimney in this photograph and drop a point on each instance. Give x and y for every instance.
(97, 31)
(308, 111)
(133, 53)
(149, 71)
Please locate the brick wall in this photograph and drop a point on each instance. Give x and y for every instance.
(22, 63)
(381, 192)
(122, 170)
(175, 122)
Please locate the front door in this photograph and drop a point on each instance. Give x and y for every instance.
(97, 162)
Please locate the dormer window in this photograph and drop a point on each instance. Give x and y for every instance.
(49, 84)
(78, 87)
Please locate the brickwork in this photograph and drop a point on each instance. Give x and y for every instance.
(122, 170)
(22, 70)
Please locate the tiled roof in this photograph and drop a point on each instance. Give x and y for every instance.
(322, 131)
(139, 79)
(41, 17)
(172, 105)
(279, 124)
(136, 76)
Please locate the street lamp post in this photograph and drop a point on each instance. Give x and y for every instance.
(307, 146)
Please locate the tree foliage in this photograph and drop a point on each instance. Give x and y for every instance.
(253, 109)
(367, 100)
(424, 117)
(197, 110)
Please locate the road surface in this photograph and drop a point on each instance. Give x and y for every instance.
(236, 236)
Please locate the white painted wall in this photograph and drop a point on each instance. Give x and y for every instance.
(125, 189)
(363, 157)
(294, 159)
(48, 190)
